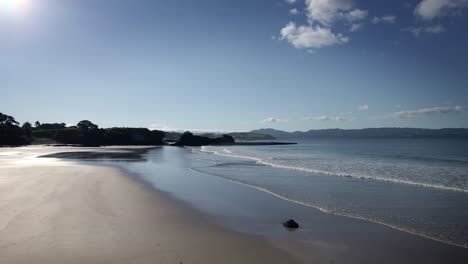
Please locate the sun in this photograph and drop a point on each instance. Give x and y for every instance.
(13, 6)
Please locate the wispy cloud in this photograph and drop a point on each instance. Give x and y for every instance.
(355, 27)
(274, 120)
(363, 107)
(326, 118)
(355, 15)
(388, 19)
(428, 111)
(434, 29)
(290, 1)
(293, 11)
(430, 9)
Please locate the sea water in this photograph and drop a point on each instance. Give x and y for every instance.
(419, 186)
(415, 185)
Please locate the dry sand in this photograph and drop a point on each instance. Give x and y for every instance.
(54, 211)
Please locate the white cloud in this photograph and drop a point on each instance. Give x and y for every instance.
(321, 15)
(311, 36)
(274, 120)
(326, 118)
(389, 19)
(363, 107)
(355, 27)
(290, 1)
(429, 111)
(293, 11)
(355, 15)
(430, 9)
(327, 11)
(435, 29)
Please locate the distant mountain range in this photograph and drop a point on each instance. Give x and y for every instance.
(367, 133)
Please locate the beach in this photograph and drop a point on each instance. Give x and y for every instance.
(137, 205)
(54, 211)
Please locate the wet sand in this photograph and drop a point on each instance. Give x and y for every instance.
(55, 211)
(67, 211)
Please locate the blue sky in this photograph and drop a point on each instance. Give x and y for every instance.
(236, 65)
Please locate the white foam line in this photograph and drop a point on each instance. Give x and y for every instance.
(263, 162)
(334, 213)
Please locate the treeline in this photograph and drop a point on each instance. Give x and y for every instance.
(12, 134)
(84, 133)
(188, 139)
(89, 134)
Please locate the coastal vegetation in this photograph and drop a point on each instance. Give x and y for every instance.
(238, 136)
(84, 133)
(11, 133)
(188, 139)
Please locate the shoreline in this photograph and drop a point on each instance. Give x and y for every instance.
(89, 156)
(340, 238)
(357, 234)
(321, 210)
(100, 214)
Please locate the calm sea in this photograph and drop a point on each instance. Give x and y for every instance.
(415, 185)
(418, 186)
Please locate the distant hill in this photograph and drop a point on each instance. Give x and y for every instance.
(368, 133)
(249, 136)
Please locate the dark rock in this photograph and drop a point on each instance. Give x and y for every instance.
(291, 224)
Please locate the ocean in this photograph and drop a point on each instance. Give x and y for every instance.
(415, 185)
(419, 186)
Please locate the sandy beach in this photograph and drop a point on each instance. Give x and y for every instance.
(54, 211)
(137, 207)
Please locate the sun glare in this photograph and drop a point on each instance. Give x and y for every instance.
(13, 6)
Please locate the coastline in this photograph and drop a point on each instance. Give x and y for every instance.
(175, 209)
(322, 236)
(55, 211)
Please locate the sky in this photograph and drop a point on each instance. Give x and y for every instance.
(223, 65)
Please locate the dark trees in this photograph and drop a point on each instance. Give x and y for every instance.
(11, 133)
(51, 126)
(91, 134)
(188, 139)
(27, 129)
(85, 133)
(86, 125)
(7, 120)
(133, 136)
